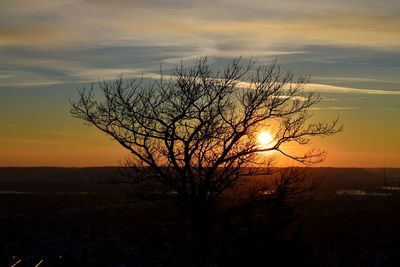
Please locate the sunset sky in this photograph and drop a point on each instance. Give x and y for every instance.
(48, 49)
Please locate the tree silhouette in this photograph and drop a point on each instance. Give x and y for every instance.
(195, 131)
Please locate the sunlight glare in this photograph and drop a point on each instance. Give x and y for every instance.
(264, 138)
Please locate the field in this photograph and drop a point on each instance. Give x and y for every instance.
(65, 217)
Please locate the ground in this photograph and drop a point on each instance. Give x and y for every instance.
(65, 217)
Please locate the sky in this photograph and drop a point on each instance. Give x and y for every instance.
(49, 49)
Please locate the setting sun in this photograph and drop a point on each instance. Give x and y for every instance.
(264, 138)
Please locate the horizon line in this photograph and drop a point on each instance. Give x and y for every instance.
(116, 166)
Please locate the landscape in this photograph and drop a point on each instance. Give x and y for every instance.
(67, 218)
(197, 133)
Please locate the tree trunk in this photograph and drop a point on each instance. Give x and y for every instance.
(200, 236)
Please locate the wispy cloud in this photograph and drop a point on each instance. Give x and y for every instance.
(348, 90)
(6, 76)
(334, 108)
(396, 109)
(324, 88)
(255, 26)
(329, 99)
(354, 79)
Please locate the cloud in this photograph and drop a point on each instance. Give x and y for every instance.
(354, 45)
(355, 79)
(347, 90)
(256, 26)
(6, 76)
(334, 108)
(28, 35)
(24, 67)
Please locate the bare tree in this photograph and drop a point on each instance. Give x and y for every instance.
(196, 130)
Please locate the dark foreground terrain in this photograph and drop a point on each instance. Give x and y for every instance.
(64, 217)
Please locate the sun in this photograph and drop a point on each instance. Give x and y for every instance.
(264, 138)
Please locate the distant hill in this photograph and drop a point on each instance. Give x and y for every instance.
(347, 177)
(48, 179)
(53, 173)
